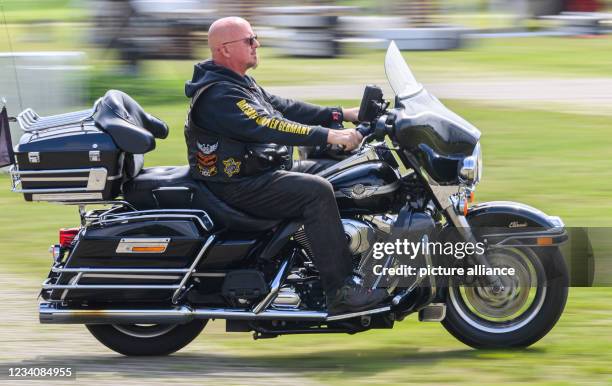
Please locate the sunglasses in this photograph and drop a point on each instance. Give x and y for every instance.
(250, 41)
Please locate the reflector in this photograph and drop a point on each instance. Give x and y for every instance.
(66, 236)
(159, 249)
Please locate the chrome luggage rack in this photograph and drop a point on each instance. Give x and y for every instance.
(30, 121)
(112, 216)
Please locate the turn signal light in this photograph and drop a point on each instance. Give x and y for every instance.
(66, 236)
(471, 197)
(545, 241)
(465, 207)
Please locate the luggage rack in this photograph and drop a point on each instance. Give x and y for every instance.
(199, 216)
(30, 121)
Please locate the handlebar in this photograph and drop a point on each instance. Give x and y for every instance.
(364, 129)
(375, 130)
(370, 131)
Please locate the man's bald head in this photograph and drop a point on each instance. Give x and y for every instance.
(228, 43)
(225, 30)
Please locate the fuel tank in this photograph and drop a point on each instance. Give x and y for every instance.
(367, 188)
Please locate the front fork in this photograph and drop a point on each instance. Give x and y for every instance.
(444, 194)
(464, 229)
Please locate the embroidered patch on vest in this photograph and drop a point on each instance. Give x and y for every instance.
(209, 171)
(207, 161)
(207, 164)
(207, 148)
(231, 167)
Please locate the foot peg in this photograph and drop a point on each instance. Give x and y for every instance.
(434, 312)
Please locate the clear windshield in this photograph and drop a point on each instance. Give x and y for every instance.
(414, 98)
(398, 73)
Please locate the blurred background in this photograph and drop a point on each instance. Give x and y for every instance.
(58, 54)
(535, 76)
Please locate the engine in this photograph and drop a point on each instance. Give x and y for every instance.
(361, 235)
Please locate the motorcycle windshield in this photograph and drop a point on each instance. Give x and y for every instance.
(398, 73)
(414, 98)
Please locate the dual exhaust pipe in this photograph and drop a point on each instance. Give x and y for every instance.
(50, 314)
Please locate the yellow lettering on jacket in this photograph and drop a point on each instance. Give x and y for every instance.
(272, 123)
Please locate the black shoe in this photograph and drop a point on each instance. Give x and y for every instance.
(352, 297)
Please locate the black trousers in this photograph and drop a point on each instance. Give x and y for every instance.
(298, 194)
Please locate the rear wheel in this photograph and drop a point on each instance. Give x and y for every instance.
(521, 312)
(146, 339)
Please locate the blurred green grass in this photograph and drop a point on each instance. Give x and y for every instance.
(41, 11)
(576, 352)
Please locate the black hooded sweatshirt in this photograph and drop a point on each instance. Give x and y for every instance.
(230, 114)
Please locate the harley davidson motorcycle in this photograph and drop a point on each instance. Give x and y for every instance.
(157, 255)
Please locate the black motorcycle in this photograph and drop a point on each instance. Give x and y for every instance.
(157, 255)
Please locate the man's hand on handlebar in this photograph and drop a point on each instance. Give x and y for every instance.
(348, 138)
(350, 115)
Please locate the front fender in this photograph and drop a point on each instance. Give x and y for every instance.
(523, 223)
(510, 215)
(505, 223)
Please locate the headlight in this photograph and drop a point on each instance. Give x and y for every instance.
(471, 167)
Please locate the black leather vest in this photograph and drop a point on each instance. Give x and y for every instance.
(215, 157)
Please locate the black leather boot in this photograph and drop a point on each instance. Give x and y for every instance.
(353, 297)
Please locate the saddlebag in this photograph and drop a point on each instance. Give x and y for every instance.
(139, 256)
(65, 158)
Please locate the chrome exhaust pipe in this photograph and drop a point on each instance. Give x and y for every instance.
(50, 314)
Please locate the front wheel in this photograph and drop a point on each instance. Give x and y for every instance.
(146, 340)
(520, 313)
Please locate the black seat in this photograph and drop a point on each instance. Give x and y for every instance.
(133, 129)
(173, 188)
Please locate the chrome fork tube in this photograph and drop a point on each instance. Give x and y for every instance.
(461, 224)
(442, 194)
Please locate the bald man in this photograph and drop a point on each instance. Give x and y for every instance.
(239, 137)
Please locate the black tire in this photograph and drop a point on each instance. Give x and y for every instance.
(146, 340)
(524, 329)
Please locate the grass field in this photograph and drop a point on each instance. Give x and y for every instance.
(555, 161)
(576, 352)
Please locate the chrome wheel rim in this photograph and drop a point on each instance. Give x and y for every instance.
(144, 330)
(505, 309)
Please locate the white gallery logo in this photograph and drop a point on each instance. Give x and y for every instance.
(412, 249)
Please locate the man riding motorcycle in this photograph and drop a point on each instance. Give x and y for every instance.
(237, 136)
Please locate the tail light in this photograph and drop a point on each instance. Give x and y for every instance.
(66, 236)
